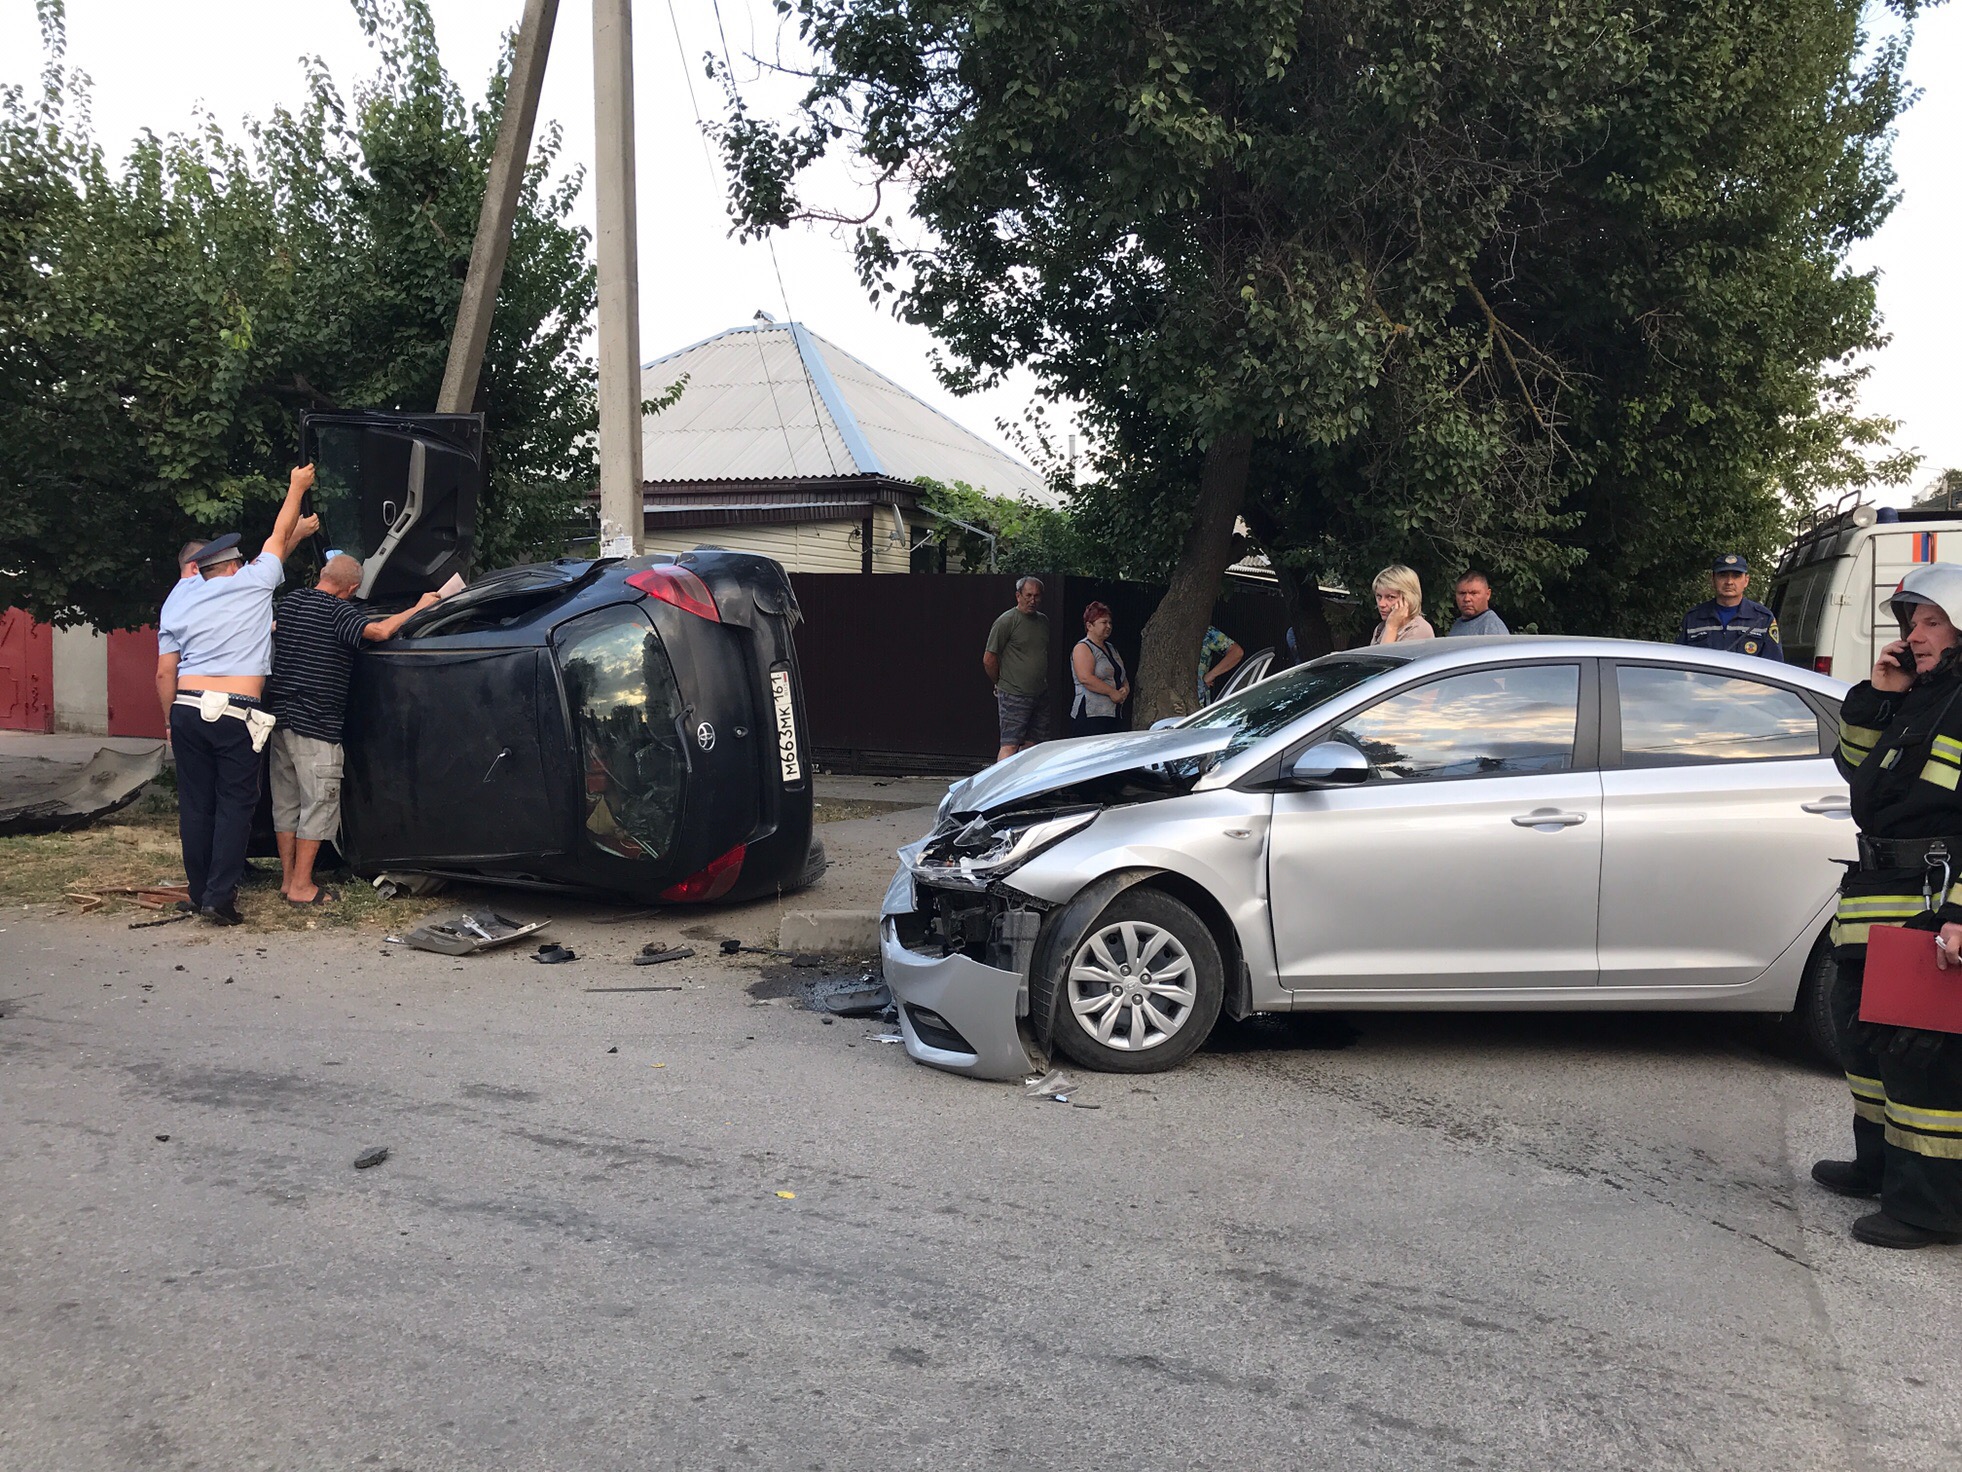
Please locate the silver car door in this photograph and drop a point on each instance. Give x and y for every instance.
(1471, 857)
(1722, 815)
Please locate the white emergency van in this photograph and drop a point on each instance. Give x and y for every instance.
(1833, 584)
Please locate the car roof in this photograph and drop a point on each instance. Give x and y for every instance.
(1494, 648)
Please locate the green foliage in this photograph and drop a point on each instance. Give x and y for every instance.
(1027, 537)
(163, 324)
(1554, 288)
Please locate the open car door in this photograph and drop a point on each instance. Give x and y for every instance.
(399, 492)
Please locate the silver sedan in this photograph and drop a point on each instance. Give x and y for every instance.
(1482, 824)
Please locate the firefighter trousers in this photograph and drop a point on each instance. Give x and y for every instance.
(1907, 1106)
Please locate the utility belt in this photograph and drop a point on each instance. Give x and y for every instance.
(214, 705)
(1908, 853)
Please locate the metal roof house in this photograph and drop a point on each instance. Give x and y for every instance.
(785, 444)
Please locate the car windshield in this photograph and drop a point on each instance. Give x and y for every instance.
(1259, 711)
(624, 703)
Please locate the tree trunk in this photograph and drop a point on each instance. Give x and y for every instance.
(1168, 664)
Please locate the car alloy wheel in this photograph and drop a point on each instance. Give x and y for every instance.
(1131, 986)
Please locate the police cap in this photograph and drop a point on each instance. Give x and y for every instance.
(221, 549)
(1731, 562)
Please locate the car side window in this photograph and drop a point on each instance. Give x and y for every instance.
(1679, 717)
(1483, 723)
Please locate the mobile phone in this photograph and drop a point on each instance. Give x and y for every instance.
(1904, 658)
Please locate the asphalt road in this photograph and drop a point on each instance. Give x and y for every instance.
(1474, 1242)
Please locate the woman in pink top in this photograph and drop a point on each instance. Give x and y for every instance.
(1399, 604)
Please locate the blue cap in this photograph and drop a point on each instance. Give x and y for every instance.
(1731, 562)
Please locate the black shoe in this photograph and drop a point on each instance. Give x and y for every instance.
(1846, 1178)
(222, 914)
(186, 907)
(1882, 1230)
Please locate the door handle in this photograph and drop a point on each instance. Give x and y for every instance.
(1548, 819)
(1838, 807)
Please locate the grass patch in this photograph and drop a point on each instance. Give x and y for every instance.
(139, 846)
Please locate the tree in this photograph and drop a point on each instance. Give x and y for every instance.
(1000, 532)
(1430, 281)
(162, 325)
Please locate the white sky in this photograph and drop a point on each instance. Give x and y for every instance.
(156, 65)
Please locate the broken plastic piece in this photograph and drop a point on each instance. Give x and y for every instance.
(612, 1050)
(465, 934)
(372, 1158)
(42, 796)
(786, 1195)
(553, 954)
(730, 947)
(864, 999)
(1053, 1084)
(887, 1037)
(163, 1137)
(654, 955)
(388, 886)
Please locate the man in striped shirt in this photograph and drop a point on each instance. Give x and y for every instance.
(315, 639)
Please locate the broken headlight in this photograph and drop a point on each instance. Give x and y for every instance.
(980, 852)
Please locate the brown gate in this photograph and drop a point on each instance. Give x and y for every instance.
(892, 661)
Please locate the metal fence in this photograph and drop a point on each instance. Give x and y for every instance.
(892, 661)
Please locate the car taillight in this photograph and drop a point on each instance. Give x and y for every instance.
(1822, 664)
(676, 585)
(712, 883)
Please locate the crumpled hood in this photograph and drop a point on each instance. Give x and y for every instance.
(1057, 764)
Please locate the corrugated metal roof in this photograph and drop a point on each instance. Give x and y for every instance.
(776, 401)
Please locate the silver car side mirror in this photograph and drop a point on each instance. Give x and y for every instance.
(1330, 764)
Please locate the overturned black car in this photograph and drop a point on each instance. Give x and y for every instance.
(632, 727)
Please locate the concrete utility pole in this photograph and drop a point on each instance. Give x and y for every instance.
(622, 517)
(500, 211)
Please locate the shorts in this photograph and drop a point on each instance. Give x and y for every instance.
(1023, 719)
(306, 785)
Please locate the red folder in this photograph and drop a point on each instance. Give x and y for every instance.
(1904, 987)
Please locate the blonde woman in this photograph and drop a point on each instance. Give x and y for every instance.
(1400, 605)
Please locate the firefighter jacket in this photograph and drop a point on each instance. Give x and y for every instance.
(1901, 755)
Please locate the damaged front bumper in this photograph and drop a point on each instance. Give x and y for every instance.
(957, 963)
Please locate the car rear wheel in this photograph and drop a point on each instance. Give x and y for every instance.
(1143, 987)
(815, 863)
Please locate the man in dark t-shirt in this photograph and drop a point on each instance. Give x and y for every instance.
(316, 634)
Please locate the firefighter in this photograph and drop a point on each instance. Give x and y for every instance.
(1900, 749)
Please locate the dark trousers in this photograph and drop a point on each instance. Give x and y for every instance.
(1907, 1106)
(217, 790)
(1096, 725)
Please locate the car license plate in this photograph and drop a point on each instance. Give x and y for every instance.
(793, 770)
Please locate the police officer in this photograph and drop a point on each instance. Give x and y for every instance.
(214, 651)
(1900, 749)
(1730, 621)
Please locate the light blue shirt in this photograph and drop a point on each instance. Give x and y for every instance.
(222, 626)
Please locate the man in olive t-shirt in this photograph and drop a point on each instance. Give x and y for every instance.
(1017, 662)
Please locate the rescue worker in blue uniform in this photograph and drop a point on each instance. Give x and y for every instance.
(1730, 621)
(1900, 749)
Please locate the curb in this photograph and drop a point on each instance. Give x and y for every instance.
(829, 930)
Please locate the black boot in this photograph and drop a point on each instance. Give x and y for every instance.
(1846, 1178)
(1882, 1230)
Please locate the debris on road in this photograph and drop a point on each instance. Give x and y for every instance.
(372, 1158)
(163, 1138)
(554, 954)
(167, 920)
(1054, 1084)
(612, 1050)
(392, 886)
(653, 954)
(467, 933)
(862, 998)
(887, 1037)
(736, 947)
(786, 1195)
(42, 796)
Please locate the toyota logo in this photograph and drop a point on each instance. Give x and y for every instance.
(705, 736)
